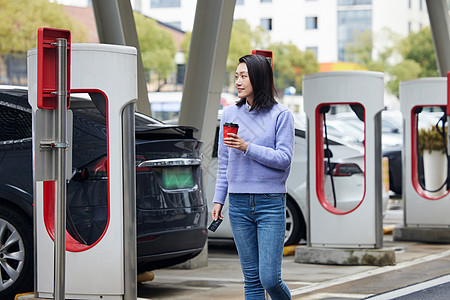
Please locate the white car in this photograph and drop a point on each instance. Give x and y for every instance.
(347, 163)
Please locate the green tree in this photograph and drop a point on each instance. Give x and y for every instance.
(418, 46)
(157, 48)
(240, 44)
(185, 44)
(20, 20)
(418, 59)
(291, 64)
(401, 59)
(360, 50)
(406, 70)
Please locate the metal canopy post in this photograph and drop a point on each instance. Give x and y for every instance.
(438, 14)
(60, 146)
(115, 25)
(205, 71)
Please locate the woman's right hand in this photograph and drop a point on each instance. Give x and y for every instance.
(216, 212)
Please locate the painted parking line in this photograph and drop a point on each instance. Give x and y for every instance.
(171, 278)
(412, 288)
(320, 296)
(369, 273)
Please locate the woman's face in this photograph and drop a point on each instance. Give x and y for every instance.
(242, 82)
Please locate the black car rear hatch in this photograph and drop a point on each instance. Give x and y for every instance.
(168, 167)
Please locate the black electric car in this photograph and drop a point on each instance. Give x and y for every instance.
(170, 207)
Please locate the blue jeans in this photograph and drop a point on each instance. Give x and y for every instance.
(258, 222)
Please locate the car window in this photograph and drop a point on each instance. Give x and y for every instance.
(90, 114)
(15, 122)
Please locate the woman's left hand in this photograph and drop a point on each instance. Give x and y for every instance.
(236, 142)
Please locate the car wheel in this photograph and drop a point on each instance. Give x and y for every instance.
(295, 224)
(16, 253)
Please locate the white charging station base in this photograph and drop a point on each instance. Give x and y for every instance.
(422, 234)
(345, 256)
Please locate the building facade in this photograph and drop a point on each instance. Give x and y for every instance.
(322, 26)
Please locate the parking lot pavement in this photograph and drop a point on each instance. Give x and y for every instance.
(222, 278)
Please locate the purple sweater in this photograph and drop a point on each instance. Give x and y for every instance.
(265, 166)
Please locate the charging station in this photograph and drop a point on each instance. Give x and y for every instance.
(106, 268)
(331, 228)
(426, 215)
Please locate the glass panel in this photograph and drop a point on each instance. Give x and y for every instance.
(343, 181)
(311, 22)
(351, 22)
(165, 3)
(266, 24)
(87, 190)
(431, 159)
(15, 123)
(354, 2)
(313, 49)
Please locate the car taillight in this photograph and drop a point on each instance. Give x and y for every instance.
(140, 159)
(148, 238)
(346, 169)
(101, 166)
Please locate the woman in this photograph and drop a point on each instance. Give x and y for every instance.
(253, 167)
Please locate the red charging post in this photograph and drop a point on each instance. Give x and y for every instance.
(47, 77)
(265, 53)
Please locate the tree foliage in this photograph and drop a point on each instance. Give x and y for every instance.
(290, 64)
(157, 47)
(240, 44)
(418, 46)
(360, 51)
(20, 20)
(185, 44)
(408, 58)
(406, 70)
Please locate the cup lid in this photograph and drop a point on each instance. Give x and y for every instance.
(231, 125)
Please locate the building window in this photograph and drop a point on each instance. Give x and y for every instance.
(266, 24)
(354, 2)
(409, 4)
(420, 4)
(165, 3)
(311, 22)
(239, 2)
(313, 49)
(265, 1)
(176, 24)
(349, 23)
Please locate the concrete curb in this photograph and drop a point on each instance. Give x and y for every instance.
(422, 234)
(345, 256)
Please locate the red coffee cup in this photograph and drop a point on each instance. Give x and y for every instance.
(229, 128)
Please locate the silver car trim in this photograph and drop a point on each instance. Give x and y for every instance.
(170, 162)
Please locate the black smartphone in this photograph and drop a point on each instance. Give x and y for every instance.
(215, 224)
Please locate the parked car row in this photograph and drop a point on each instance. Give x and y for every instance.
(392, 138)
(347, 166)
(171, 209)
(171, 205)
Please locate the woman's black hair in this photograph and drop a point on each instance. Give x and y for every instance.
(261, 77)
